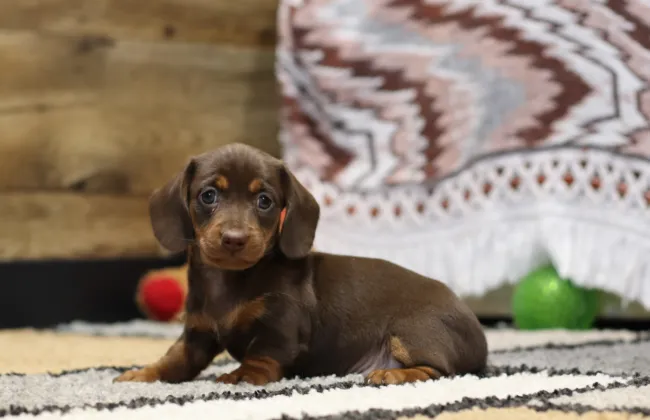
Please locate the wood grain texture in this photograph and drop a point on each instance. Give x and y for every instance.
(240, 22)
(121, 117)
(64, 225)
(102, 101)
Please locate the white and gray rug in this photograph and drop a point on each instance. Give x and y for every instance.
(547, 373)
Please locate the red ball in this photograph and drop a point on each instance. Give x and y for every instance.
(162, 297)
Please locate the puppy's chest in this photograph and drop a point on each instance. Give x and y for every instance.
(225, 315)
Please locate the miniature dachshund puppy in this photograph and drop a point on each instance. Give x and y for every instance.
(258, 291)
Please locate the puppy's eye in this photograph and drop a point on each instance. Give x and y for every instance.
(264, 202)
(208, 196)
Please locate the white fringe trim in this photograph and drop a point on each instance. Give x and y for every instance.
(593, 236)
(474, 259)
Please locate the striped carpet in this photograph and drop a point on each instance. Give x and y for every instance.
(67, 373)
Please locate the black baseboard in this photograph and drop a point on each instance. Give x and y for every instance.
(600, 323)
(41, 294)
(44, 293)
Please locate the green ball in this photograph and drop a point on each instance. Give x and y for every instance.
(543, 300)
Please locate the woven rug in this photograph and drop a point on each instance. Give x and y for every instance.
(67, 373)
(508, 133)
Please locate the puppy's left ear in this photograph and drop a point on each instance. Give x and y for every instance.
(169, 211)
(301, 218)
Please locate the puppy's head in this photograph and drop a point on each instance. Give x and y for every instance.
(229, 202)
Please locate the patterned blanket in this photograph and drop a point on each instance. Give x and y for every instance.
(474, 140)
(533, 375)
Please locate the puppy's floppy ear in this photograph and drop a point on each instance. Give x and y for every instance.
(301, 218)
(169, 212)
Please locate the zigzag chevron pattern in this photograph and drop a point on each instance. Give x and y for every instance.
(389, 92)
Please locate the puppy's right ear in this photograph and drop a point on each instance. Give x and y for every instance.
(169, 211)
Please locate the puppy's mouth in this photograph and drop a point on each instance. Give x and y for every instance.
(218, 257)
(227, 263)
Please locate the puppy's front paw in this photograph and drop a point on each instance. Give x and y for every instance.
(244, 375)
(231, 378)
(138, 375)
(255, 371)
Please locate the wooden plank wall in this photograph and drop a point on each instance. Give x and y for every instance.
(103, 100)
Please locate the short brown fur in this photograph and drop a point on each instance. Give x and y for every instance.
(281, 310)
(255, 186)
(256, 370)
(399, 376)
(221, 182)
(399, 352)
(200, 322)
(174, 366)
(244, 315)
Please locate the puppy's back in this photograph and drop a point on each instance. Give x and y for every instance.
(375, 281)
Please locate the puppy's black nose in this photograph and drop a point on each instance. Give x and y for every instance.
(234, 240)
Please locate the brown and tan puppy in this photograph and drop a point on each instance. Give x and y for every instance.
(283, 311)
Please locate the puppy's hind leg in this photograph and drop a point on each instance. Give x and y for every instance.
(431, 366)
(430, 348)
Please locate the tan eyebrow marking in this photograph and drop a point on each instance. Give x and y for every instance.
(221, 182)
(255, 186)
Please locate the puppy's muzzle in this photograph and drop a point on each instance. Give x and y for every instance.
(234, 240)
